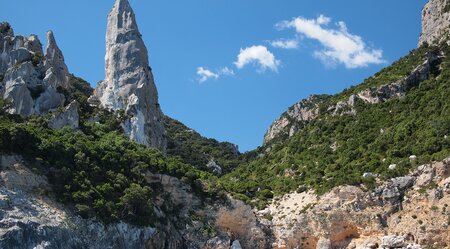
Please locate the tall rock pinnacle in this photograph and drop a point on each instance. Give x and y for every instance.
(54, 63)
(129, 83)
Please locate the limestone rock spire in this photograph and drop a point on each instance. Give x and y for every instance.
(54, 63)
(129, 83)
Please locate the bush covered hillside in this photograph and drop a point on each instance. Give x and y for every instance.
(198, 151)
(96, 169)
(378, 138)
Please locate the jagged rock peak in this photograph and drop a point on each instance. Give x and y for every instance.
(54, 63)
(435, 22)
(129, 83)
(30, 81)
(122, 16)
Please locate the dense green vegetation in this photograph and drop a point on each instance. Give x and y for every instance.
(337, 150)
(196, 150)
(101, 173)
(96, 169)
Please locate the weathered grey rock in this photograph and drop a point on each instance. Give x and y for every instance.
(303, 111)
(236, 245)
(403, 182)
(129, 83)
(69, 117)
(214, 167)
(17, 84)
(345, 107)
(30, 81)
(435, 22)
(49, 100)
(16, 49)
(393, 190)
(57, 74)
(393, 242)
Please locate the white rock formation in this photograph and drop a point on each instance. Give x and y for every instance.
(129, 83)
(435, 22)
(30, 81)
(57, 73)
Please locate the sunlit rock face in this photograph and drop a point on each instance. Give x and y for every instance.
(129, 83)
(435, 22)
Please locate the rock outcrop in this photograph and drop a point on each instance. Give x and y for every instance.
(57, 73)
(435, 22)
(289, 122)
(29, 219)
(30, 82)
(129, 83)
(68, 117)
(403, 212)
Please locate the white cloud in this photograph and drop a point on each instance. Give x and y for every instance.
(226, 71)
(258, 55)
(339, 45)
(286, 44)
(205, 74)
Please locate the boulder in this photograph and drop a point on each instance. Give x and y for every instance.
(393, 242)
(214, 167)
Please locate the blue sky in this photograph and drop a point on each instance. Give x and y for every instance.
(194, 48)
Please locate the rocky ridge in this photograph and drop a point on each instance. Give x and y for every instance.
(129, 83)
(435, 29)
(309, 109)
(30, 82)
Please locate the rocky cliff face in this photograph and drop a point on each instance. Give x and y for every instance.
(129, 83)
(403, 212)
(290, 121)
(435, 22)
(30, 81)
(30, 219)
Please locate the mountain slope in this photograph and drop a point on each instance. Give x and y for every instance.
(203, 153)
(360, 131)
